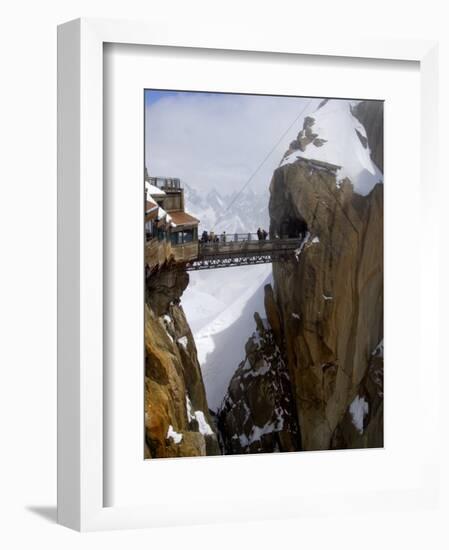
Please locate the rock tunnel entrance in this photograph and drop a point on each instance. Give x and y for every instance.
(293, 228)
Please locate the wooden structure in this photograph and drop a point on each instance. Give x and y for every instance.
(172, 223)
(318, 164)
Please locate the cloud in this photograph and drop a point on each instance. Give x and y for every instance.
(218, 140)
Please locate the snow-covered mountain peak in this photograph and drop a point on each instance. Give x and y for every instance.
(229, 213)
(215, 199)
(333, 135)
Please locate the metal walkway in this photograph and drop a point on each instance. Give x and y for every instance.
(235, 253)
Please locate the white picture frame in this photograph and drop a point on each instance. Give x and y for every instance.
(81, 488)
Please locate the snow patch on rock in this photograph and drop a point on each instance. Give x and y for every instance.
(359, 409)
(173, 435)
(335, 123)
(183, 342)
(203, 425)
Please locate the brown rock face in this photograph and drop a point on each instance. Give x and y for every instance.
(362, 424)
(165, 287)
(371, 115)
(177, 418)
(330, 301)
(258, 413)
(273, 315)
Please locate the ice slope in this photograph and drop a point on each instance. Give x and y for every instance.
(221, 340)
(200, 306)
(335, 123)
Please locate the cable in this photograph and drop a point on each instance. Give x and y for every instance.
(248, 181)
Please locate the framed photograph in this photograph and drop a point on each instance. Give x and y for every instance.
(266, 357)
(241, 227)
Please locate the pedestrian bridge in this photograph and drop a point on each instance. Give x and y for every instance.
(240, 250)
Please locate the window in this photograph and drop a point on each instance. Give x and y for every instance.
(184, 237)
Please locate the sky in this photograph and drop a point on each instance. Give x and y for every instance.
(218, 140)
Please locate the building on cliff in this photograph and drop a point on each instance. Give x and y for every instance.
(167, 220)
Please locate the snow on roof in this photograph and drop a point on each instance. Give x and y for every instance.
(153, 190)
(162, 214)
(335, 123)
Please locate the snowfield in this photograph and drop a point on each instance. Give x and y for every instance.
(335, 124)
(221, 332)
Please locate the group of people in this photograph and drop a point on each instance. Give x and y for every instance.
(262, 234)
(212, 238)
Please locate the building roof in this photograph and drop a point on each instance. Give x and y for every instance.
(150, 205)
(151, 209)
(182, 218)
(153, 190)
(150, 216)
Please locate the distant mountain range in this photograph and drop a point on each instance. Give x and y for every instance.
(239, 212)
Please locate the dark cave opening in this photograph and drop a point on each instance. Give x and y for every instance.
(293, 228)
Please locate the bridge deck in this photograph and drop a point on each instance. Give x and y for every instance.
(238, 253)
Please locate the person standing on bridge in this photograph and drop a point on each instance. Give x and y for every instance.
(259, 234)
(223, 237)
(264, 235)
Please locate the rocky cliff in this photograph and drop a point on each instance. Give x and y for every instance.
(324, 331)
(371, 115)
(177, 418)
(258, 412)
(331, 298)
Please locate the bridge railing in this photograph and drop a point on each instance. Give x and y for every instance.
(246, 247)
(231, 238)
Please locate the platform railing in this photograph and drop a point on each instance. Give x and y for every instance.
(232, 237)
(164, 182)
(246, 247)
